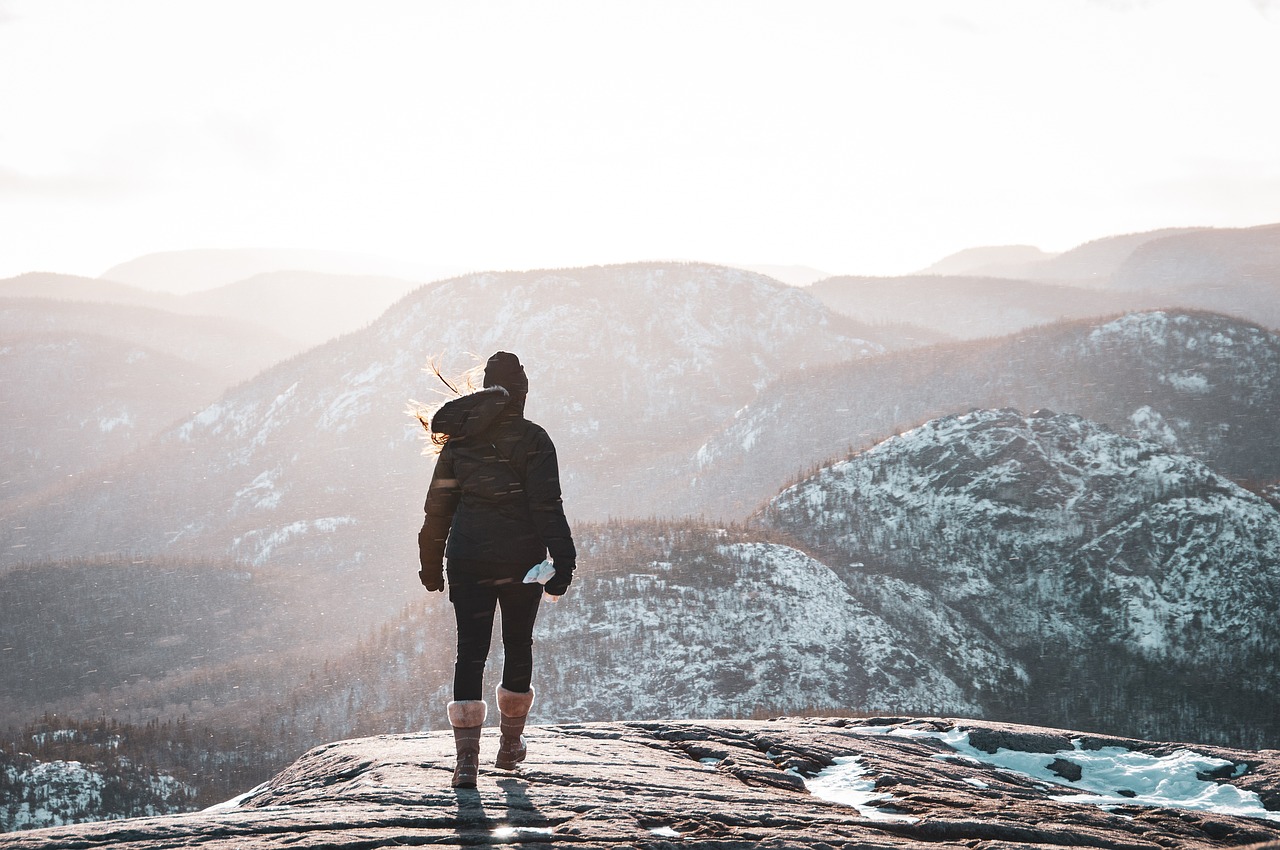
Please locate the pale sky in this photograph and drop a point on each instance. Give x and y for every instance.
(854, 137)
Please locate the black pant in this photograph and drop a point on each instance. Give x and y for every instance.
(477, 589)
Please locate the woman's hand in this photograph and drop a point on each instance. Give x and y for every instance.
(433, 579)
(559, 583)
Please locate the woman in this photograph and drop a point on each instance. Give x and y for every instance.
(494, 511)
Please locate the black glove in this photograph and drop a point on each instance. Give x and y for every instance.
(559, 583)
(432, 579)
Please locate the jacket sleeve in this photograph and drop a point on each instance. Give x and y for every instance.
(442, 501)
(545, 505)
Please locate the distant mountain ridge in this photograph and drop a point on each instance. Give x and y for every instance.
(1235, 271)
(1091, 263)
(87, 383)
(987, 261)
(77, 402)
(310, 307)
(64, 287)
(990, 563)
(965, 307)
(198, 270)
(315, 460)
(1096, 262)
(304, 307)
(232, 350)
(1203, 384)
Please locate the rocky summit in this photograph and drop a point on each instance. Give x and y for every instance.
(789, 782)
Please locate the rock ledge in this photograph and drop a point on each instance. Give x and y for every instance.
(712, 783)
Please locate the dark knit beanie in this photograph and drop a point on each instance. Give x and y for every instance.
(504, 370)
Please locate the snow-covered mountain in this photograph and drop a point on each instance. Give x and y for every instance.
(1085, 555)
(1202, 384)
(697, 621)
(993, 564)
(52, 793)
(315, 462)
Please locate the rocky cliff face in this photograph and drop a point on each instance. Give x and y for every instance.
(792, 782)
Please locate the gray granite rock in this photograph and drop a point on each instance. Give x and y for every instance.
(710, 784)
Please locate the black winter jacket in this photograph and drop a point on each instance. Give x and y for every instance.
(495, 492)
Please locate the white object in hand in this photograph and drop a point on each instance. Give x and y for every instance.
(540, 573)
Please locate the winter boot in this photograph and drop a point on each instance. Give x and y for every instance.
(514, 708)
(467, 719)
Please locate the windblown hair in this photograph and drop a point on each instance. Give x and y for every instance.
(469, 381)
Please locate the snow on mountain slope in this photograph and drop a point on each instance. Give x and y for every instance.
(996, 510)
(1038, 567)
(717, 626)
(314, 463)
(1123, 577)
(1201, 384)
(673, 619)
(65, 792)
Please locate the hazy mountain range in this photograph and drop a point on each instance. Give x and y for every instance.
(719, 388)
(86, 383)
(200, 270)
(1235, 271)
(989, 564)
(301, 307)
(779, 491)
(316, 462)
(1202, 383)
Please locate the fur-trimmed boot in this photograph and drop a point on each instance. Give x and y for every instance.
(514, 708)
(467, 719)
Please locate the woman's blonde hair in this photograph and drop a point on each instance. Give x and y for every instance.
(469, 381)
